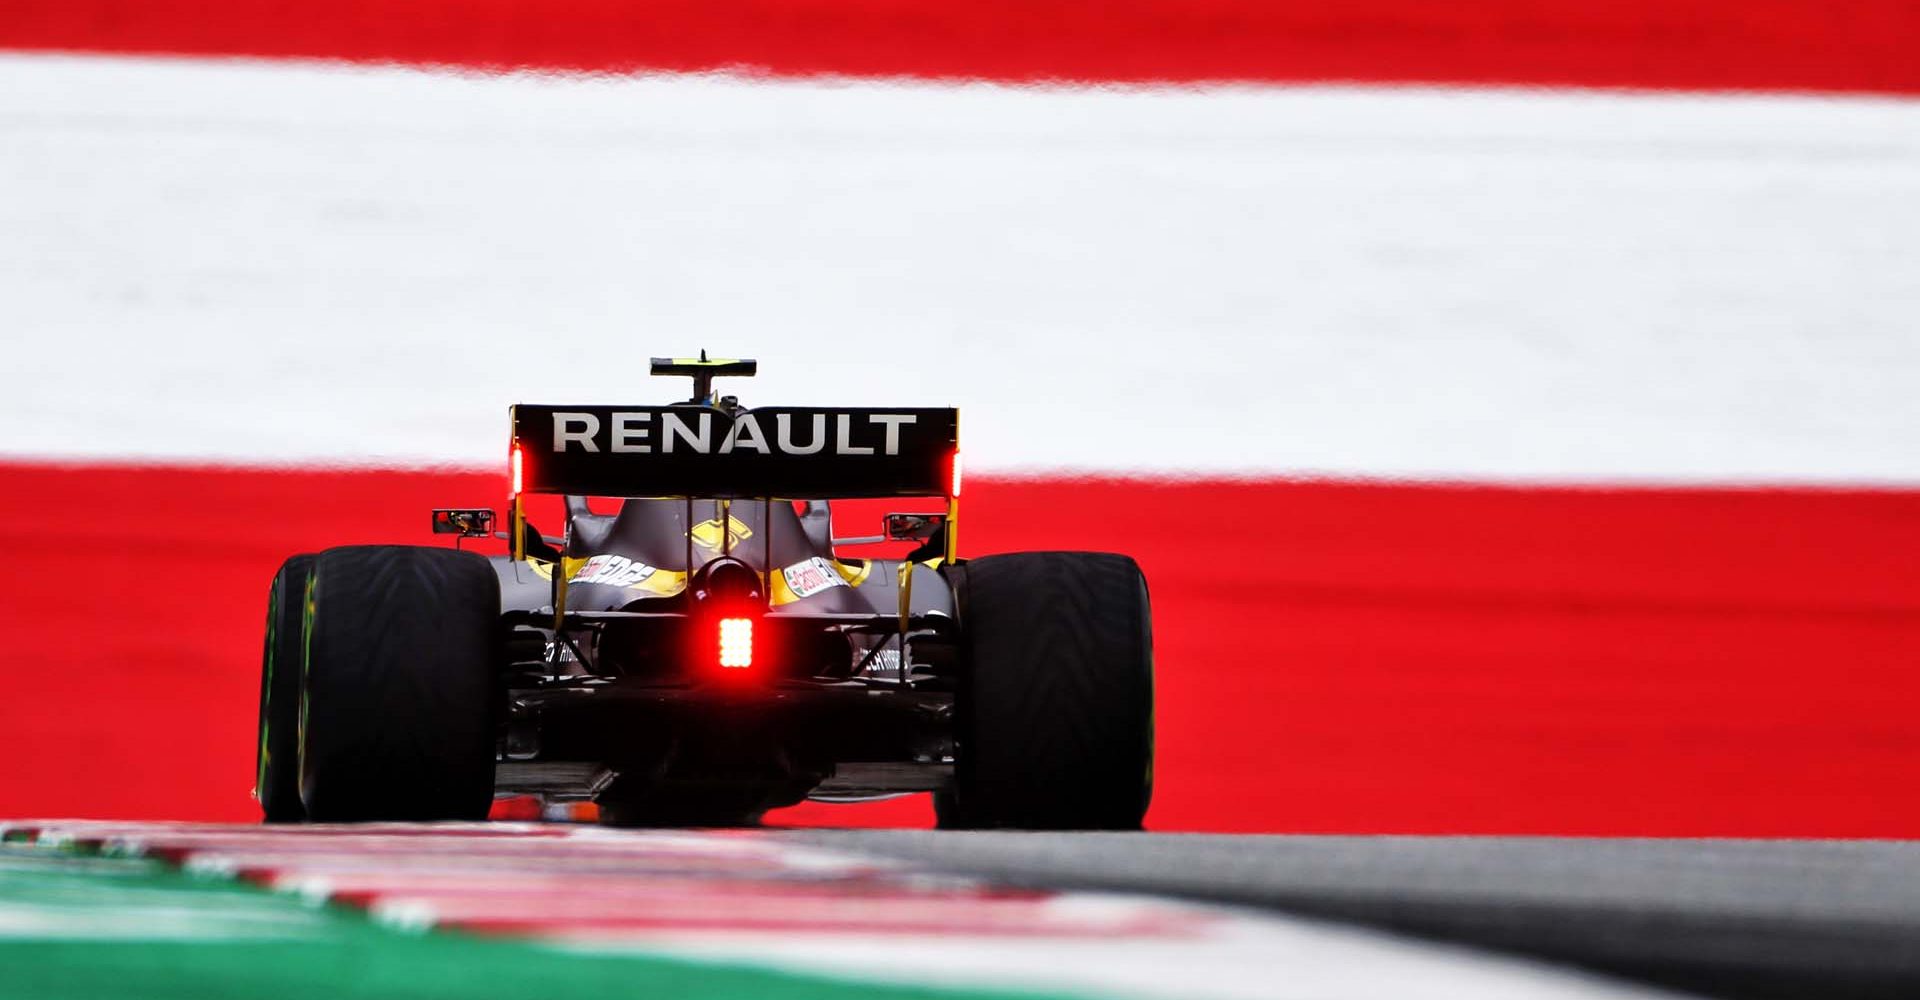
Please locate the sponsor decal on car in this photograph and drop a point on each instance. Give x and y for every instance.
(707, 533)
(613, 571)
(663, 582)
(812, 576)
(642, 431)
(884, 663)
(701, 451)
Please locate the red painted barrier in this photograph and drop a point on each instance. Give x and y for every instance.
(1837, 45)
(1332, 657)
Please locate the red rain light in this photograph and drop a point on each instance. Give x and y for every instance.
(513, 470)
(736, 642)
(956, 474)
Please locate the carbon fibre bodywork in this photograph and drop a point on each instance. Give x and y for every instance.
(839, 703)
(649, 548)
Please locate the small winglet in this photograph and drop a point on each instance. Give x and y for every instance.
(703, 370)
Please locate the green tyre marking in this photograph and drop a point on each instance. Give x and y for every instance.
(266, 690)
(306, 656)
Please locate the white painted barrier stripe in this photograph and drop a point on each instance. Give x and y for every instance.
(288, 263)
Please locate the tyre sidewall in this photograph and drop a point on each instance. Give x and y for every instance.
(399, 685)
(277, 760)
(1054, 712)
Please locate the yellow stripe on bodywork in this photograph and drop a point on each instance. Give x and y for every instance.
(662, 583)
(707, 534)
(668, 582)
(854, 575)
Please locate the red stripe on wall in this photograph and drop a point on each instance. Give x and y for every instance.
(1838, 45)
(1332, 656)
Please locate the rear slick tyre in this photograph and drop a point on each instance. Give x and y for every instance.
(276, 784)
(1054, 711)
(399, 688)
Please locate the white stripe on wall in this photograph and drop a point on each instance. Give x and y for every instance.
(249, 261)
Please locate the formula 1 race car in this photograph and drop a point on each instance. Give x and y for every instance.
(692, 648)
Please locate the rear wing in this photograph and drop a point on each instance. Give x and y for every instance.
(793, 453)
(698, 450)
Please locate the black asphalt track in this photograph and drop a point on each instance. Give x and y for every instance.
(1758, 919)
